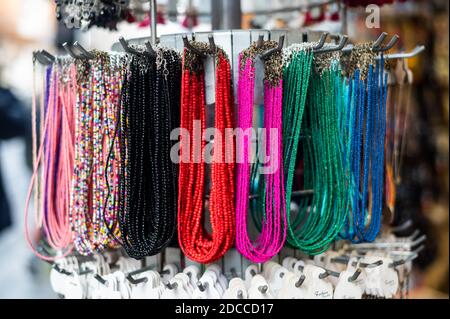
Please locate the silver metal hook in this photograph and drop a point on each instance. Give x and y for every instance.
(379, 41)
(355, 276)
(202, 287)
(86, 54)
(263, 289)
(70, 51)
(339, 47)
(300, 281)
(389, 46)
(323, 38)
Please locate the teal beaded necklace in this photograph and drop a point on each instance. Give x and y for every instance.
(321, 217)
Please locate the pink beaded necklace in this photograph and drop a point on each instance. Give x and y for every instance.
(273, 233)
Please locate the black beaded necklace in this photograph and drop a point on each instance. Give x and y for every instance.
(148, 180)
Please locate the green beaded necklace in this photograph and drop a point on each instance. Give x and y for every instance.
(321, 217)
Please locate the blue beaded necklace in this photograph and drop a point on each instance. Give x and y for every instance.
(364, 130)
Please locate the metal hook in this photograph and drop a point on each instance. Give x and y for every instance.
(86, 54)
(212, 44)
(322, 40)
(171, 286)
(413, 235)
(389, 46)
(370, 266)
(150, 49)
(191, 48)
(263, 289)
(202, 286)
(419, 250)
(270, 52)
(328, 273)
(136, 281)
(300, 281)
(70, 51)
(403, 261)
(406, 225)
(85, 272)
(127, 47)
(62, 271)
(379, 41)
(339, 47)
(417, 50)
(37, 55)
(48, 55)
(355, 276)
(418, 241)
(305, 37)
(260, 41)
(101, 280)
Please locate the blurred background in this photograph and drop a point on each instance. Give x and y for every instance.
(28, 25)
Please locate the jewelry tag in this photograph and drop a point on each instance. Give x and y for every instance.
(259, 288)
(373, 278)
(73, 287)
(319, 288)
(56, 281)
(250, 272)
(290, 289)
(346, 289)
(122, 285)
(236, 290)
(389, 282)
(278, 279)
(361, 280)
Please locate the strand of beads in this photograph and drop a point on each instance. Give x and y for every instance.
(322, 216)
(56, 147)
(272, 195)
(147, 188)
(296, 77)
(194, 240)
(90, 218)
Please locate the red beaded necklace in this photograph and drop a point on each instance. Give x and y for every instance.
(196, 243)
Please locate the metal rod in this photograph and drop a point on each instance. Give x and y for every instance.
(407, 55)
(344, 17)
(291, 9)
(406, 225)
(294, 194)
(153, 24)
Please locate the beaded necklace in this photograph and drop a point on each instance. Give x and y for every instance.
(195, 241)
(91, 214)
(366, 141)
(57, 147)
(321, 218)
(147, 188)
(296, 77)
(271, 187)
